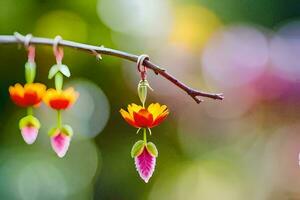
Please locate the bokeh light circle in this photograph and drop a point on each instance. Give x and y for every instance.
(235, 56)
(136, 17)
(193, 26)
(285, 51)
(37, 173)
(41, 179)
(62, 22)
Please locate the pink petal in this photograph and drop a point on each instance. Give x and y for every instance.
(29, 134)
(145, 165)
(60, 144)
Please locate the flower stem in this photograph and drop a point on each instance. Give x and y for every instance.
(29, 111)
(59, 120)
(145, 136)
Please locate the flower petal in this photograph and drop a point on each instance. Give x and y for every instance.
(59, 104)
(60, 144)
(31, 97)
(143, 118)
(145, 165)
(156, 109)
(128, 118)
(133, 108)
(160, 118)
(29, 134)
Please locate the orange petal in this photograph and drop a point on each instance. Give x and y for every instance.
(159, 119)
(59, 104)
(128, 118)
(143, 118)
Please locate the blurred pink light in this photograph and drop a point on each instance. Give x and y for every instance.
(235, 56)
(237, 103)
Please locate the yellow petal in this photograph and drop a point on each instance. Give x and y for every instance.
(126, 115)
(155, 109)
(133, 108)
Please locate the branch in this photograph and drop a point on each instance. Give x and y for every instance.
(195, 94)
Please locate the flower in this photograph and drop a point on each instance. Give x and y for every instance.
(60, 139)
(144, 155)
(29, 95)
(60, 99)
(29, 127)
(141, 117)
(60, 144)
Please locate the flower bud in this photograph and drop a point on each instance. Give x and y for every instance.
(29, 127)
(60, 139)
(58, 81)
(30, 71)
(145, 164)
(142, 90)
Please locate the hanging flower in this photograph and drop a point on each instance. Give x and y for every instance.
(60, 139)
(29, 127)
(60, 99)
(141, 117)
(144, 155)
(29, 95)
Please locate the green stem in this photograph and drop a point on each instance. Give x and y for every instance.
(59, 80)
(59, 119)
(29, 111)
(145, 136)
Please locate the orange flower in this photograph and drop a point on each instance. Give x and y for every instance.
(29, 95)
(60, 99)
(140, 117)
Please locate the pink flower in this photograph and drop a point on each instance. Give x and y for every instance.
(29, 127)
(60, 139)
(144, 155)
(29, 134)
(60, 144)
(145, 164)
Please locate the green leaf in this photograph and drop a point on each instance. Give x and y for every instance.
(137, 148)
(29, 120)
(59, 68)
(53, 70)
(30, 71)
(152, 149)
(67, 129)
(52, 131)
(64, 69)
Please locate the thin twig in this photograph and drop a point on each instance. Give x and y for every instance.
(195, 94)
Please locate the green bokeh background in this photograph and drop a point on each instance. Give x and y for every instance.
(220, 162)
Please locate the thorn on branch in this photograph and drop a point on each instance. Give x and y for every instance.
(98, 55)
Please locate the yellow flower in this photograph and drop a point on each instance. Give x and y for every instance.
(29, 95)
(140, 117)
(60, 99)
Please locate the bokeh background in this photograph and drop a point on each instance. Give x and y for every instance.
(243, 148)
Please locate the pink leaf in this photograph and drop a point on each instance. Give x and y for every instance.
(29, 134)
(60, 144)
(145, 165)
